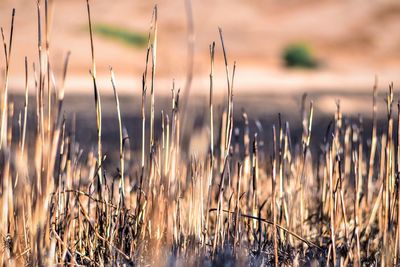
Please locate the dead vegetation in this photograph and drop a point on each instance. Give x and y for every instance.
(289, 205)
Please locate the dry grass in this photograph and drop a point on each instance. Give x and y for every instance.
(338, 205)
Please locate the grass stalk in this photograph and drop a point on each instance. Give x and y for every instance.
(121, 139)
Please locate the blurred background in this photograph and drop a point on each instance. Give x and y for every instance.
(330, 49)
(341, 44)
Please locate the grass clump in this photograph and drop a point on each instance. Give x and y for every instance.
(299, 55)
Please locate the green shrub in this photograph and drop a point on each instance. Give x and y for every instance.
(299, 55)
(127, 37)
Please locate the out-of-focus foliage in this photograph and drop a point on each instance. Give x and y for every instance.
(299, 55)
(127, 37)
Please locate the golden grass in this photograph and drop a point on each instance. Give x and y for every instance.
(337, 205)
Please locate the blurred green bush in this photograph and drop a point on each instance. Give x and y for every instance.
(299, 55)
(127, 37)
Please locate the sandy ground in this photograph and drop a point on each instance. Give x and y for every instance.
(354, 40)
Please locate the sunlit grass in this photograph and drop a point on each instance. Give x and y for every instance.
(282, 204)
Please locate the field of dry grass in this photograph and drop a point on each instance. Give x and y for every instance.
(259, 194)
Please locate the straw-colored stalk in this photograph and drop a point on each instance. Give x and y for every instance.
(121, 138)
